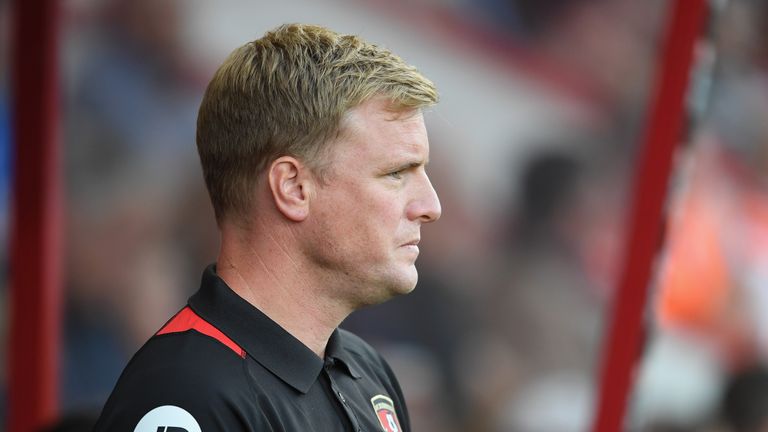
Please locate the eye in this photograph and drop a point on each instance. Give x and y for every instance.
(396, 174)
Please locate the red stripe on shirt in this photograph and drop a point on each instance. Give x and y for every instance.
(187, 319)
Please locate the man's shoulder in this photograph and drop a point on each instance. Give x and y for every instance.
(185, 362)
(187, 349)
(187, 374)
(187, 344)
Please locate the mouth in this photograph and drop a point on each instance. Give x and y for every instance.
(412, 246)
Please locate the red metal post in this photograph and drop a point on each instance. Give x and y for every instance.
(35, 258)
(663, 132)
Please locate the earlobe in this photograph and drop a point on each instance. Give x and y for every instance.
(290, 186)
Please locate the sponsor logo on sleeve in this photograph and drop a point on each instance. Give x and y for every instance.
(385, 412)
(167, 418)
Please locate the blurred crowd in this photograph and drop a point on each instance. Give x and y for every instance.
(504, 330)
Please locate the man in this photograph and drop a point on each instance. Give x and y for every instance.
(313, 149)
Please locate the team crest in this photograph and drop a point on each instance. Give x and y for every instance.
(385, 412)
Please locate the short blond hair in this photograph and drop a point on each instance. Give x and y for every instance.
(286, 94)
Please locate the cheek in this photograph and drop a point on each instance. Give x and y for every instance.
(386, 212)
(370, 231)
(365, 217)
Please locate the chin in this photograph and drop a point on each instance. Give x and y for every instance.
(393, 287)
(406, 283)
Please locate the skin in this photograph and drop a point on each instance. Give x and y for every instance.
(315, 249)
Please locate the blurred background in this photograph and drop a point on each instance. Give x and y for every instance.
(533, 145)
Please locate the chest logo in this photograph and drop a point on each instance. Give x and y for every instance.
(385, 412)
(167, 418)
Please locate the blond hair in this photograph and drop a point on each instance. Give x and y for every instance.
(286, 94)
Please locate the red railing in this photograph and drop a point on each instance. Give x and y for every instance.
(664, 131)
(36, 218)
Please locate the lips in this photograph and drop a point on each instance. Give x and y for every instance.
(412, 247)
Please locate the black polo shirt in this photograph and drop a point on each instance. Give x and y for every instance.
(220, 364)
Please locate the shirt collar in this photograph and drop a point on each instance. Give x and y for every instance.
(263, 339)
(336, 350)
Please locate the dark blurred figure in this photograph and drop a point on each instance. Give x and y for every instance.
(132, 95)
(549, 183)
(130, 107)
(745, 402)
(542, 320)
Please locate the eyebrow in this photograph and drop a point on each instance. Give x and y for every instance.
(408, 165)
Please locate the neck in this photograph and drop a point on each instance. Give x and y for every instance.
(262, 271)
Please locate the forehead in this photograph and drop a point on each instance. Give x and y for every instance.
(374, 128)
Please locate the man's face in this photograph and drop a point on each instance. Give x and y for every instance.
(365, 220)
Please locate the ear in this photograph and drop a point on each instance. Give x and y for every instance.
(291, 186)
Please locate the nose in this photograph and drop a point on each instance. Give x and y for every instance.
(425, 207)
